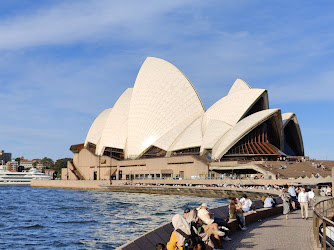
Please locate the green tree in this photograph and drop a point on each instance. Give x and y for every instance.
(61, 163)
(47, 162)
(18, 159)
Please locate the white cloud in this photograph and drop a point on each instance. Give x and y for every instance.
(82, 21)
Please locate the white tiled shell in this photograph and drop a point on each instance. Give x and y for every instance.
(115, 131)
(286, 117)
(238, 85)
(162, 97)
(191, 137)
(95, 132)
(231, 108)
(167, 139)
(242, 128)
(215, 130)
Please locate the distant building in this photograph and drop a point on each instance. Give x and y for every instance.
(40, 166)
(26, 164)
(5, 157)
(12, 165)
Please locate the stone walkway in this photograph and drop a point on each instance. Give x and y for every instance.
(275, 233)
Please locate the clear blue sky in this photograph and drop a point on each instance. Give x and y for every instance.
(63, 62)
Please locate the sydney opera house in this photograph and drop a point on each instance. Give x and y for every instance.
(160, 129)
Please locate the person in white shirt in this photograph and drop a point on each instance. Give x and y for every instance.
(246, 203)
(209, 226)
(303, 201)
(311, 197)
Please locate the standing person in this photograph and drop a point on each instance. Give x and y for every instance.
(311, 197)
(293, 194)
(285, 196)
(303, 201)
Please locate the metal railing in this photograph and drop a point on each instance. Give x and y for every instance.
(323, 226)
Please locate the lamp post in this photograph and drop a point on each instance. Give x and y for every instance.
(99, 167)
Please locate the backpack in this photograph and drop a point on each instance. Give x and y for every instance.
(190, 240)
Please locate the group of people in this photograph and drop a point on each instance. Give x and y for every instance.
(297, 197)
(197, 228)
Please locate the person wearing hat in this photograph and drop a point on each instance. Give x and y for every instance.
(208, 223)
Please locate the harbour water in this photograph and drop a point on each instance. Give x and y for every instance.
(45, 218)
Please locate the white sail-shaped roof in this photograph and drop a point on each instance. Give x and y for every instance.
(115, 131)
(162, 97)
(286, 117)
(214, 131)
(164, 110)
(169, 138)
(243, 128)
(95, 132)
(231, 108)
(238, 85)
(190, 138)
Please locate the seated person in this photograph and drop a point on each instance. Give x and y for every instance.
(234, 213)
(193, 221)
(183, 236)
(269, 202)
(246, 204)
(208, 223)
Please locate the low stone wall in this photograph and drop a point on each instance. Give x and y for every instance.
(75, 184)
(247, 181)
(168, 190)
(193, 191)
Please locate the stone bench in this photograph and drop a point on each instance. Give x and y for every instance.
(162, 234)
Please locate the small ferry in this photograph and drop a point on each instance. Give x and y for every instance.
(17, 178)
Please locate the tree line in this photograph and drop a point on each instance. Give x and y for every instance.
(49, 163)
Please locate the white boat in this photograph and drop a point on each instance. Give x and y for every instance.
(16, 178)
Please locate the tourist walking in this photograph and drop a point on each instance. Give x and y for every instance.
(293, 194)
(303, 201)
(285, 196)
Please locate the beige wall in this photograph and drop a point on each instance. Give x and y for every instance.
(87, 162)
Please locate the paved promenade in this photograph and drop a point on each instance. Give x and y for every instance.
(275, 233)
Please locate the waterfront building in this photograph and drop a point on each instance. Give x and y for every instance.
(12, 165)
(26, 163)
(160, 129)
(5, 157)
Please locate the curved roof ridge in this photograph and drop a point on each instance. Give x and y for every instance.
(115, 131)
(238, 85)
(214, 131)
(290, 116)
(286, 117)
(241, 129)
(96, 129)
(231, 108)
(190, 137)
(166, 141)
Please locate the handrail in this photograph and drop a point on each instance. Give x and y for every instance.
(324, 237)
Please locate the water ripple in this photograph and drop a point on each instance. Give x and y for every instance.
(44, 218)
